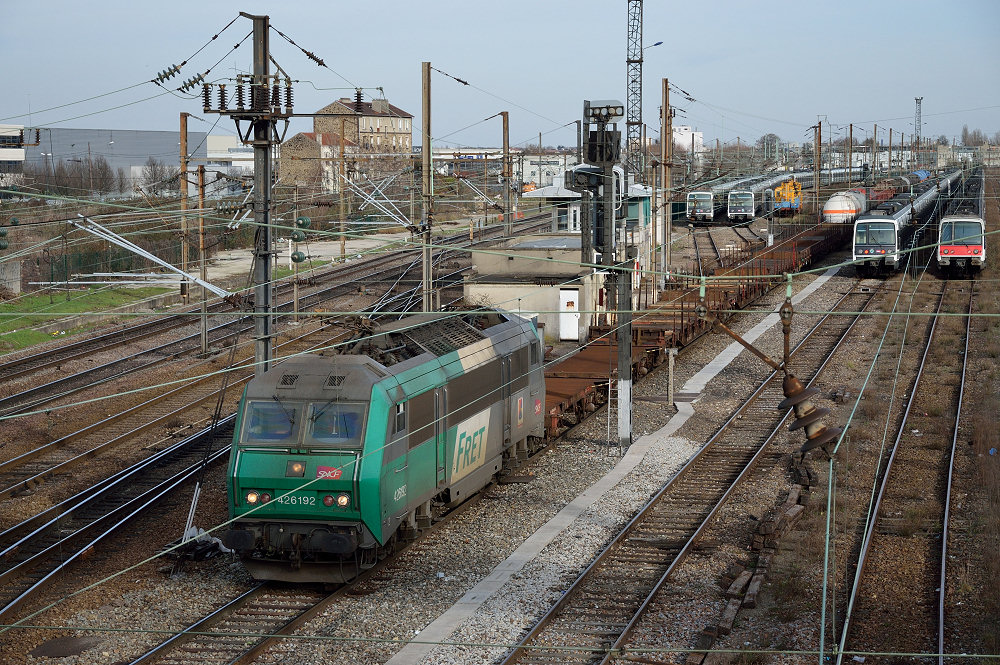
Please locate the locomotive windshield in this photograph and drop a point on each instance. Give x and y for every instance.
(961, 233)
(271, 422)
(325, 423)
(335, 423)
(741, 199)
(875, 233)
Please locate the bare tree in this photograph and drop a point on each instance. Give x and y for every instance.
(942, 140)
(103, 176)
(123, 182)
(155, 175)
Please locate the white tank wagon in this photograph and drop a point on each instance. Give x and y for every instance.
(844, 207)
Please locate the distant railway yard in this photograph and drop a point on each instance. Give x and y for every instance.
(711, 536)
(309, 378)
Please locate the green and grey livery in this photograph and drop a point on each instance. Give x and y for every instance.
(335, 458)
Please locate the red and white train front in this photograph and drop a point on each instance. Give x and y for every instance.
(961, 243)
(962, 231)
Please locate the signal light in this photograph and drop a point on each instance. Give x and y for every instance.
(265, 497)
(328, 501)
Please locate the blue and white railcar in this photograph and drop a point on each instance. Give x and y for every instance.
(881, 236)
(700, 206)
(741, 206)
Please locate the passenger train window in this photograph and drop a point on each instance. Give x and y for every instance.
(271, 422)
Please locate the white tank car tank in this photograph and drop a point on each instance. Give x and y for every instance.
(844, 207)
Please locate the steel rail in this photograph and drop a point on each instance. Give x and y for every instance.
(942, 586)
(873, 521)
(523, 650)
(76, 349)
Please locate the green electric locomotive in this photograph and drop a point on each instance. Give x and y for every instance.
(335, 458)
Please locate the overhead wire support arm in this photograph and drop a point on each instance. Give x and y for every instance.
(808, 417)
(96, 229)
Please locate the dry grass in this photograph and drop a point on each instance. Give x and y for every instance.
(986, 438)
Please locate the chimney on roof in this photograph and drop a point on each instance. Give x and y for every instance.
(380, 105)
(358, 103)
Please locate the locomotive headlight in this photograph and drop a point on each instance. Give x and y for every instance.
(328, 500)
(343, 500)
(265, 497)
(252, 497)
(295, 469)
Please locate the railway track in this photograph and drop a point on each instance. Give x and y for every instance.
(897, 598)
(594, 618)
(243, 628)
(37, 551)
(385, 267)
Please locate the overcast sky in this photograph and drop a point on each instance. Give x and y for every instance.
(753, 67)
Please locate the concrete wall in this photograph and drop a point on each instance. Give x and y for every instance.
(10, 276)
(540, 300)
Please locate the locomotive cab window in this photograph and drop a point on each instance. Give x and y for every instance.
(271, 422)
(400, 422)
(335, 423)
(962, 233)
(534, 353)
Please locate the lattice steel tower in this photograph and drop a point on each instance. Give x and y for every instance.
(916, 122)
(634, 161)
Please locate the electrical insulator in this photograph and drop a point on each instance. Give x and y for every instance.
(275, 96)
(20, 138)
(288, 95)
(167, 73)
(206, 97)
(4, 244)
(240, 104)
(191, 82)
(38, 136)
(807, 415)
(298, 236)
(298, 257)
(303, 222)
(3, 232)
(259, 97)
(223, 103)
